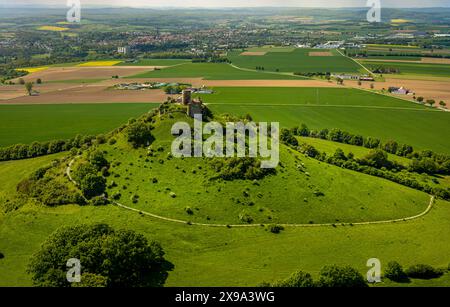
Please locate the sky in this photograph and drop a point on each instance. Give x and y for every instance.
(232, 3)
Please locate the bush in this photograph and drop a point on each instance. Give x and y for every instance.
(240, 168)
(423, 271)
(121, 257)
(275, 228)
(139, 134)
(98, 160)
(298, 279)
(394, 272)
(2, 255)
(341, 277)
(99, 201)
(92, 185)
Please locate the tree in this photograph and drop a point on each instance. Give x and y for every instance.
(359, 83)
(394, 272)
(420, 99)
(303, 130)
(21, 81)
(97, 159)
(115, 258)
(38, 81)
(339, 155)
(391, 146)
(340, 81)
(139, 134)
(377, 158)
(431, 102)
(92, 185)
(298, 279)
(29, 87)
(442, 103)
(341, 277)
(372, 86)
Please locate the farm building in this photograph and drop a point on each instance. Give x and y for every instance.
(399, 90)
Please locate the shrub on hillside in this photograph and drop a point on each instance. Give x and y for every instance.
(394, 272)
(298, 279)
(92, 185)
(240, 168)
(423, 271)
(121, 257)
(341, 277)
(98, 160)
(139, 134)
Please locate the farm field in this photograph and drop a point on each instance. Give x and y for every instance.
(99, 63)
(438, 70)
(28, 123)
(297, 60)
(213, 71)
(355, 111)
(154, 62)
(223, 256)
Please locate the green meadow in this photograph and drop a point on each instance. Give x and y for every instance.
(207, 256)
(435, 70)
(297, 60)
(356, 111)
(28, 123)
(213, 71)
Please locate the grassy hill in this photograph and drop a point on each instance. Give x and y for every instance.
(295, 60)
(205, 256)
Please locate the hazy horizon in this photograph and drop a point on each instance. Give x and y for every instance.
(229, 3)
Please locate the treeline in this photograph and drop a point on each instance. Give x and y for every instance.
(425, 161)
(384, 70)
(375, 163)
(36, 149)
(313, 74)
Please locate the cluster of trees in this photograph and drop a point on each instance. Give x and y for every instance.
(139, 134)
(332, 276)
(314, 74)
(36, 149)
(374, 164)
(9, 73)
(395, 272)
(425, 161)
(88, 177)
(108, 258)
(43, 186)
(174, 89)
(246, 168)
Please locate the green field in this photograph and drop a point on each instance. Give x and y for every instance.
(213, 71)
(154, 62)
(204, 256)
(297, 60)
(28, 123)
(355, 111)
(435, 70)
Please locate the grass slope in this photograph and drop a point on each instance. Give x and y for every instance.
(229, 257)
(297, 60)
(287, 197)
(28, 123)
(356, 111)
(212, 71)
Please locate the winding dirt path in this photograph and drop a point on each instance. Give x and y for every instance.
(427, 210)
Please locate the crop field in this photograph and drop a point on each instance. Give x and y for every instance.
(33, 69)
(297, 60)
(438, 70)
(212, 71)
(28, 123)
(53, 28)
(154, 62)
(355, 111)
(99, 63)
